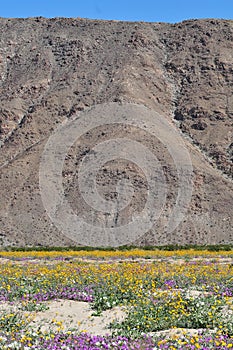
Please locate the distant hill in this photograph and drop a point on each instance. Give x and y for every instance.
(52, 69)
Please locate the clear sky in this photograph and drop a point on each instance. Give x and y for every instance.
(131, 10)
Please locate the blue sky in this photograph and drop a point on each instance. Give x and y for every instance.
(131, 10)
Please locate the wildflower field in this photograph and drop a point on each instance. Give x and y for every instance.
(170, 299)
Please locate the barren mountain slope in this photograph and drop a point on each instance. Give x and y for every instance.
(52, 69)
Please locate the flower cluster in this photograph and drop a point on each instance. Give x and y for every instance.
(160, 291)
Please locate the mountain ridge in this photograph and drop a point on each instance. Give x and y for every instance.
(53, 69)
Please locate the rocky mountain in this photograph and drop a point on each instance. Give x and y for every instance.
(53, 70)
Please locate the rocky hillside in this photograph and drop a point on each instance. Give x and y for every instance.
(53, 69)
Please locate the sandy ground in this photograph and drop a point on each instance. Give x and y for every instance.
(177, 260)
(79, 315)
